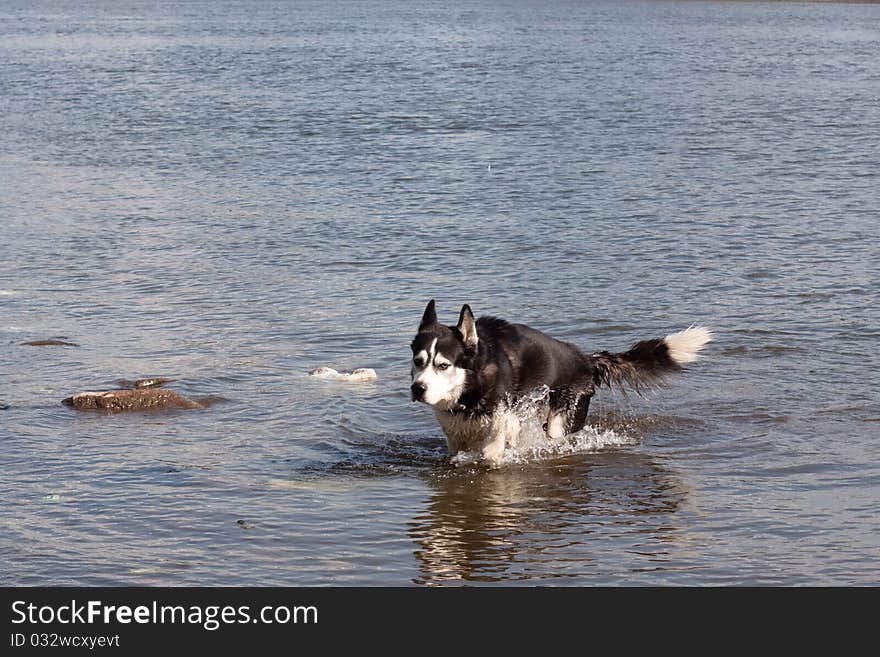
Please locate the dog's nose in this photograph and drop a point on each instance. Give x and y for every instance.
(417, 389)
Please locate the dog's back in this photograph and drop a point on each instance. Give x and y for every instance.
(534, 357)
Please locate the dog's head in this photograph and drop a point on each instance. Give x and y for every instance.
(442, 358)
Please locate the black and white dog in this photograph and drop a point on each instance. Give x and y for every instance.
(471, 373)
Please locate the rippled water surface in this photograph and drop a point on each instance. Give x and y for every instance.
(231, 194)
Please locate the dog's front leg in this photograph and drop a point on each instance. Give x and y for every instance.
(503, 432)
(492, 450)
(453, 445)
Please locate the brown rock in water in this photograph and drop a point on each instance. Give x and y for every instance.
(145, 399)
(49, 343)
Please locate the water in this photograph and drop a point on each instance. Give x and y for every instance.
(231, 194)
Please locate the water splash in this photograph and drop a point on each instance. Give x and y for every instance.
(536, 445)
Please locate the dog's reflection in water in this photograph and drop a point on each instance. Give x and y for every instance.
(538, 522)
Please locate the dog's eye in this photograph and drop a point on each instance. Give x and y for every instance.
(418, 362)
(443, 366)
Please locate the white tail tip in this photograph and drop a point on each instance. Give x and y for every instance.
(684, 346)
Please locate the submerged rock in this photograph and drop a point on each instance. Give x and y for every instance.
(54, 342)
(360, 374)
(146, 399)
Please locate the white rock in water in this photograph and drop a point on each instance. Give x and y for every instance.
(360, 374)
(324, 371)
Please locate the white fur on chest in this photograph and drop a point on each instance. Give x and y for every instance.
(485, 434)
(463, 433)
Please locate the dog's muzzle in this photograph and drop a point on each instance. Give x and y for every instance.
(417, 390)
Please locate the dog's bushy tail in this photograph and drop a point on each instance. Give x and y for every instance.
(649, 361)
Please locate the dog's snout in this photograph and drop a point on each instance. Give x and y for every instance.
(418, 389)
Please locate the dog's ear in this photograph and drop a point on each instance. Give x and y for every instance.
(467, 327)
(430, 316)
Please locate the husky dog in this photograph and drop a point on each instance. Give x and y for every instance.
(471, 373)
